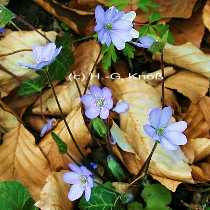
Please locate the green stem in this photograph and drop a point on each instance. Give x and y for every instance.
(62, 114)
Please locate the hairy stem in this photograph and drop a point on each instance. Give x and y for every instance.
(62, 114)
(88, 79)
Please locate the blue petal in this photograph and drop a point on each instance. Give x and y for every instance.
(75, 192)
(88, 100)
(177, 126)
(154, 117)
(99, 14)
(168, 145)
(175, 137)
(96, 91)
(165, 117)
(92, 112)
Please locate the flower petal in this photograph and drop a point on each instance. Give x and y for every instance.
(108, 103)
(92, 112)
(104, 113)
(96, 91)
(150, 131)
(99, 14)
(154, 117)
(130, 16)
(71, 178)
(87, 193)
(119, 43)
(165, 116)
(106, 93)
(75, 192)
(168, 145)
(75, 168)
(88, 100)
(175, 137)
(121, 107)
(85, 171)
(177, 126)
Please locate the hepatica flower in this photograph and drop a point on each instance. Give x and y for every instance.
(170, 135)
(114, 26)
(43, 56)
(145, 42)
(121, 107)
(47, 127)
(97, 102)
(2, 30)
(81, 180)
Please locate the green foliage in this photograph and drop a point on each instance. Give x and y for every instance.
(109, 56)
(135, 206)
(57, 70)
(118, 3)
(13, 195)
(157, 197)
(129, 51)
(99, 127)
(102, 197)
(115, 168)
(29, 87)
(155, 16)
(5, 16)
(61, 66)
(62, 146)
(146, 5)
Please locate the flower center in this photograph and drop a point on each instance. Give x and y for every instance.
(160, 131)
(83, 179)
(108, 26)
(100, 102)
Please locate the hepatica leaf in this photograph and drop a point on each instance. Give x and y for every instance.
(13, 195)
(99, 127)
(118, 3)
(102, 197)
(5, 16)
(157, 197)
(109, 56)
(61, 66)
(61, 145)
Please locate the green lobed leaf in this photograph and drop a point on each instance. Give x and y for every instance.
(102, 197)
(146, 5)
(29, 87)
(156, 196)
(99, 127)
(128, 51)
(109, 56)
(62, 146)
(135, 206)
(61, 66)
(155, 16)
(118, 3)
(115, 168)
(14, 196)
(5, 16)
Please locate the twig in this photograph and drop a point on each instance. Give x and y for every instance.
(62, 115)
(88, 80)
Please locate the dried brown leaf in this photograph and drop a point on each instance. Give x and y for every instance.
(21, 159)
(54, 195)
(191, 85)
(188, 57)
(206, 15)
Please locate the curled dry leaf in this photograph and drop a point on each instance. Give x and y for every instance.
(191, 85)
(141, 98)
(184, 32)
(21, 159)
(198, 119)
(13, 41)
(206, 15)
(80, 132)
(54, 195)
(188, 57)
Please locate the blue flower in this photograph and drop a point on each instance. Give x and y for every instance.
(43, 56)
(162, 130)
(2, 30)
(48, 126)
(81, 180)
(114, 26)
(121, 107)
(145, 42)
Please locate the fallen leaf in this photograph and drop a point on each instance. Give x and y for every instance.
(188, 57)
(198, 119)
(68, 97)
(141, 98)
(191, 85)
(21, 159)
(14, 41)
(206, 15)
(80, 132)
(54, 195)
(184, 32)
